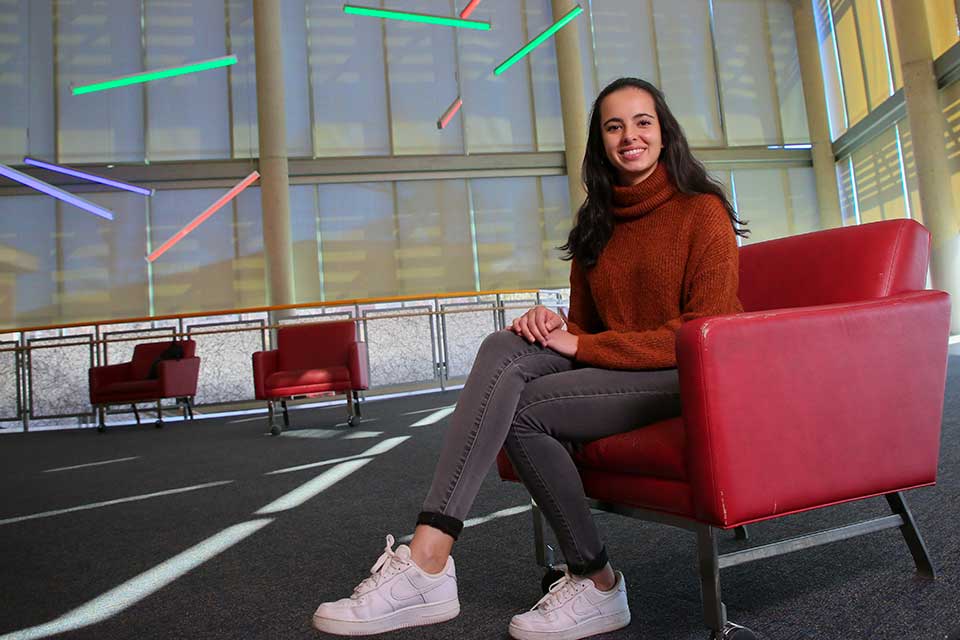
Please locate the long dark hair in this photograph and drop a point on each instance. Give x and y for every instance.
(594, 224)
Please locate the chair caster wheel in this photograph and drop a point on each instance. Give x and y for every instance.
(550, 576)
(101, 429)
(351, 421)
(732, 631)
(158, 424)
(274, 430)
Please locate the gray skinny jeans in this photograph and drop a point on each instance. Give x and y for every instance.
(535, 403)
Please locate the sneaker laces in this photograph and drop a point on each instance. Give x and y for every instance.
(560, 592)
(387, 565)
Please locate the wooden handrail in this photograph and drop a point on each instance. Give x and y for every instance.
(282, 307)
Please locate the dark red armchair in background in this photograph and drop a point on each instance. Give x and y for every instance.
(828, 389)
(154, 373)
(312, 359)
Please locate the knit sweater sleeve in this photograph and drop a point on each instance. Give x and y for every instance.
(709, 289)
(583, 317)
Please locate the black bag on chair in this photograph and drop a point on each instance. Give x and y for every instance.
(173, 352)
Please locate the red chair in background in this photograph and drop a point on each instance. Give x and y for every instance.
(828, 388)
(312, 359)
(154, 374)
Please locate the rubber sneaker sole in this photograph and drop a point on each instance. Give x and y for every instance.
(416, 616)
(585, 629)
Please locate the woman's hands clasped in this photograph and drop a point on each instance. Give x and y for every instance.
(542, 325)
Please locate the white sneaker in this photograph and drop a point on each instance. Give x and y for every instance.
(397, 594)
(574, 608)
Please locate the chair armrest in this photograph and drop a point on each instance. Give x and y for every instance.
(264, 365)
(99, 377)
(793, 409)
(178, 378)
(359, 366)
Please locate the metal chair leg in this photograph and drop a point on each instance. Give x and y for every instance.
(286, 414)
(183, 406)
(159, 423)
(714, 611)
(911, 534)
(136, 412)
(351, 410)
(102, 414)
(274, 428)
(741, 533)
(356, 402)
(189, 400)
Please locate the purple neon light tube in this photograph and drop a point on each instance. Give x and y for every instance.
(116, 184)
(55, 192)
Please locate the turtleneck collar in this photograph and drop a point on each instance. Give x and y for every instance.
(640, 199)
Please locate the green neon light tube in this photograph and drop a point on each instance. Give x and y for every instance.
(536, 42)
(147, 76)
(415, 17)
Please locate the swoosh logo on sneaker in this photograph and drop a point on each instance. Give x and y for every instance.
(582, 608)
(403, 589)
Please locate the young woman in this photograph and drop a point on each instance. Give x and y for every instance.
(653, 247)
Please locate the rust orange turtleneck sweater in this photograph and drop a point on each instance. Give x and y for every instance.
(671, 258)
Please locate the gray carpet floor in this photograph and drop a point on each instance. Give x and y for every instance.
(203, 563)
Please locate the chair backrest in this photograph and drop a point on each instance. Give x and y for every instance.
(315, 345)
(146, 353)
(835, 265)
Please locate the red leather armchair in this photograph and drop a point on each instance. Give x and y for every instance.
(828, 388)
(312, 359)
(132, 382)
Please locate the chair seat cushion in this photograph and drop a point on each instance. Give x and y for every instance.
(656, 450)
(133, 389)
(304, 381)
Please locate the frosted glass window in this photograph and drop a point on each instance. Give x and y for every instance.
(624, 40)
(243, 79)
(347, 80)
(358, 240)
(942, 23)
(250, 277)
(873, 45)
(557, 222)
(28, 260)
(879, 181)
(26, 81)
(762, 200)
(103, 272)
(830, 69)
(306, 251)
(893, 46)
(845, 184)
(95, 42)
(189, 115)
(851, 64)
(196, 273)
(747, 81)
(510, 234)
(497, 110)
(434, 247)
(786, 61)
(423, 80)
(546, 85)
(685, 51)
(802, 200)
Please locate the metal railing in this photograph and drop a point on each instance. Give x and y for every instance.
(414, 343)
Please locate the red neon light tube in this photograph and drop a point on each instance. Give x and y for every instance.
(449, 113)
(467, 10)
(212, 209)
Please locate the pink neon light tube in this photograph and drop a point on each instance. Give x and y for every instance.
(449, 113)
(212, 209)
(467, 10)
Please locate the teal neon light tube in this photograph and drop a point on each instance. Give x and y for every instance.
(406, 16)
(536, 42)
(157, 74)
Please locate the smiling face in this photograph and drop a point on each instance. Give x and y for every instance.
(631, 134)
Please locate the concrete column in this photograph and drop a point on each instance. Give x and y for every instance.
(928, 130)
(274, 178)
(824, 163)
(572, 101)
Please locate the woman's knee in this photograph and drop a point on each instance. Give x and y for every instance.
(502, 343)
